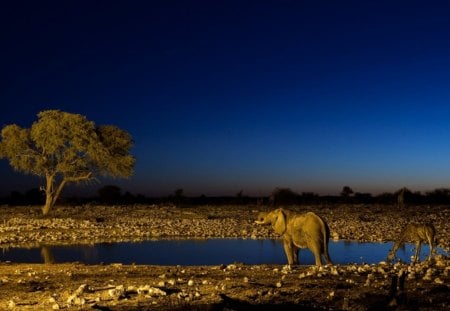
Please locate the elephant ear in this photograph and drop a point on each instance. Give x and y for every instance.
(280, 222)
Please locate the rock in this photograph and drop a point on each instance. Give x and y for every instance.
(156, 292)
(335, 236)
(117, 293)
(161, 283)
(143, 289)
(438, 281)
(80, 289)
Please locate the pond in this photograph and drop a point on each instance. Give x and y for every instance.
(203, 252)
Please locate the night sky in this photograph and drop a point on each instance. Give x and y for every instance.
(223, 96)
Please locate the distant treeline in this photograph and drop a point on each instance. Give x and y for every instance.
(112, 194)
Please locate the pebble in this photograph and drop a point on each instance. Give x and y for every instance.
(438, 281)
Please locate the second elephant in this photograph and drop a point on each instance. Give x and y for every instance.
(299, 231)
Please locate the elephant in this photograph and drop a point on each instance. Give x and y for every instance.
(299, 231)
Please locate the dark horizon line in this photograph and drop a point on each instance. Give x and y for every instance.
(91, 191)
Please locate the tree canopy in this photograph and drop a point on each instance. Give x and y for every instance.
(67, 148)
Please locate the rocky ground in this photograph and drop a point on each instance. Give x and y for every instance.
(425, 286)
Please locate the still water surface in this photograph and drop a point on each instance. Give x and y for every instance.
(203, 252)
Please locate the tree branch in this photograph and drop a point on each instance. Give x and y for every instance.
(78, 178)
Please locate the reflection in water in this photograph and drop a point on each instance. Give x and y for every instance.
(202, 252)
(47, 254)
(82, 253)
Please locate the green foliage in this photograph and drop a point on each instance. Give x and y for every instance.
(67, 148)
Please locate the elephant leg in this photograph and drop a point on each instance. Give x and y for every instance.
(431, 248)
(327, 257)
(318, 259)
(289, 250)
(295, 253)
(316, 250)
(416, 255)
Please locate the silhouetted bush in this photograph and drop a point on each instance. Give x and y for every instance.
(16, 198)
(309, 198)
(35, 196)
(386, 198)
(110, 194)
(283, 196)
(363, 197)
(438, 196)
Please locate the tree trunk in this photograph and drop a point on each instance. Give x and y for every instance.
(49, 195)
(49, 201)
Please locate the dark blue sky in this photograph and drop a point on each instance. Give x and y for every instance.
(223, 96)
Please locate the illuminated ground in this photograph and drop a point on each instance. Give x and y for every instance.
(235, 287)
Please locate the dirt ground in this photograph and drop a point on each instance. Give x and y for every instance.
(237, 286)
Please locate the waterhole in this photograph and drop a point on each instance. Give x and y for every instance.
(203, 252)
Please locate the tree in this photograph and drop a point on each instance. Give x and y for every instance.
(66, 148)
(346, 191)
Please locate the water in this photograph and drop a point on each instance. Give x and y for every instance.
(203, 252)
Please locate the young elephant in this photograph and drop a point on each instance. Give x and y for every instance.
(299, 231)
(418, 233)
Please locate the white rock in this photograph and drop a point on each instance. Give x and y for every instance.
(80, 290)
(143, 289)
(117, 292)
(438, 281)
(335, 236)
(70, 299)
(334, 271)
(154, 291)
